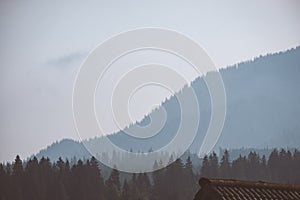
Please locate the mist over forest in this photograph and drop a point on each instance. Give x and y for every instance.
(262, 112)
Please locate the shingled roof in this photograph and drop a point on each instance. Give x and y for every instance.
(225, 189)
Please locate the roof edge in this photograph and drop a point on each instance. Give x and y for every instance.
(242, 183)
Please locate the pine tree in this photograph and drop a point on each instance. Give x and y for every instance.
(225, 167)
(173, 180)
(143, 186)
(78, 181)
(3, 182)
(214, 165)
(113, 185)
(8, 190)
(205, 169)
(239, 168)
(189, 181)
(18, 167)
(96, 180)
(189, 168)
(285, 161)
(160, 164)
(273, 165)
(263, 172)
(155, 166)
(17, 178)
(32, 180)
(158, 183)
(253, 166)
(125, 191)
(296, 166)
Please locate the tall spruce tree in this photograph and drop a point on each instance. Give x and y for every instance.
(225, 168)
(113, 185)
(17, 178)
(189, 182)
(205, 169)
(296, 166)
(214, 165)
(273, 165)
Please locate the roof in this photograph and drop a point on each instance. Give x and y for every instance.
(225, 189)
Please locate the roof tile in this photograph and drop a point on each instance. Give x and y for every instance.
(248, 190)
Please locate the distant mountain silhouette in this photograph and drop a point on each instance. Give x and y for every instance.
(66, 148)
(263, 110)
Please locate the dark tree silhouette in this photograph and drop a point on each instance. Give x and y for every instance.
(205, 169)
(213, 165)
(296, 166)
(126, 193)
(189, 181)
(225, 168)
(34, 180)
(274, 164)
(17, 178)
(113, 185)
(253, 166)
(158, 184)
(239, 168)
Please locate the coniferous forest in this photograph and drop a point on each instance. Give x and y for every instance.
(42, 179)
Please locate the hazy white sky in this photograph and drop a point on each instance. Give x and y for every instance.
(43, 44)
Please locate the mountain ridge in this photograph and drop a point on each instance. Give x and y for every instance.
(255, 81)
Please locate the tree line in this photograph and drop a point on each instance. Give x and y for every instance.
(281, 166)
(41, 179)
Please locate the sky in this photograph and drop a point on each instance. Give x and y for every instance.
(44, 43)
